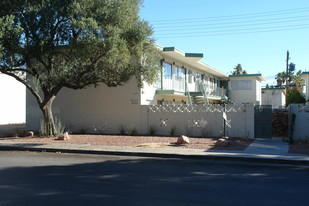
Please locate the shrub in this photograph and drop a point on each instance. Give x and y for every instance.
(173, 131)
(122, 130)
(152, 131)
(44, 128)
(132, 131)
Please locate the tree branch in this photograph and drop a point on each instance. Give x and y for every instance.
(24, 82)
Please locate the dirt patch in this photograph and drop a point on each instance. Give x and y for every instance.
(141, 141)
(238, 144)
(299, 147)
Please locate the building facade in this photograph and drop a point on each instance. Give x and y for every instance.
(274, 96)
(184, 80)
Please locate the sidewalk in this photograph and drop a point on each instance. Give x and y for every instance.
(262, 150)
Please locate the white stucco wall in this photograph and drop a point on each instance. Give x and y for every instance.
(148, 94)
(305, 77)
(274, 97)
(299, 119)
(12, 103)
(258, 90)
(94, 110)
(187, 119)
(250, 96)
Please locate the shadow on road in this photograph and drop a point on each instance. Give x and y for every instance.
(153, 182)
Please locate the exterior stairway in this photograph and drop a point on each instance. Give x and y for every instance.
(197, 98)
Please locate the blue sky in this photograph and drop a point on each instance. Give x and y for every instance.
(253, 33)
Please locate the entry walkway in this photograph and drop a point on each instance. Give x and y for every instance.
(274, 146)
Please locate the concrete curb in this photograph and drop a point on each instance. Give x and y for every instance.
(214, 156)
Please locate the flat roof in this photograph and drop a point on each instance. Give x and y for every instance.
(258, 76)
(274, 88)
(191, 60)
(304, 73)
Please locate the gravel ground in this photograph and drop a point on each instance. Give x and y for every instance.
(142, 141)
(299, 147)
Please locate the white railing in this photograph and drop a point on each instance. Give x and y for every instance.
(176, 84)
(180, 85)
(211, 90)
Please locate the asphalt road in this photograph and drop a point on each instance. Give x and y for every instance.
(66, 179)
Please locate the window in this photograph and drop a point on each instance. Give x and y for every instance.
(198, 76)
(241, 84)
(190, 75)
(179, 73)
(167, 70)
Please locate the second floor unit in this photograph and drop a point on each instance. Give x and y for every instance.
(184, 79)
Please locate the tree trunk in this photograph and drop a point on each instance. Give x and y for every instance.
(48, 128)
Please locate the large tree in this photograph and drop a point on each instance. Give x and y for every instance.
(51, 44)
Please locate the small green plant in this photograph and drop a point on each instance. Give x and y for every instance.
(82, 130)
(132, 131)
(152, 131)
(173, 131)
(122, 130)
(59, 127)
(19, 132)
(45, 128)
(189, 130)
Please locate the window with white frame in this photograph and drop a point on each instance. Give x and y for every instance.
(241, 84)
(190, 76)
(179, 73)
(167, 70)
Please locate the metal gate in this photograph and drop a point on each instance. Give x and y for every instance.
(263, 121)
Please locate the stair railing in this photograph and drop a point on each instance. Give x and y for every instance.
(188, 92)
(203, 90)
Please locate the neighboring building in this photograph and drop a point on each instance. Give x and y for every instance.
(273, 96)
(246, 88)
(305, 77)
(184, 79)
(13, 98)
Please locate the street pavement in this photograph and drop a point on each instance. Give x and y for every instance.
(270, 150)
(33, 178)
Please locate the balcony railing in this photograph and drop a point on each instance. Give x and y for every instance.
(211, 90)
(180, 85)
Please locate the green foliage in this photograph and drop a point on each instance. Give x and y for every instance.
(295, 97)
(132, 131)
(122, 130)
(51, 44)
(77, 43)
(281, 78)
(82, 130)
(152, 131)
(173, 131)
(238, 70)
(45, 128)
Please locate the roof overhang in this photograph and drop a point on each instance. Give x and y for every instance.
(246, 76)
(191, 60)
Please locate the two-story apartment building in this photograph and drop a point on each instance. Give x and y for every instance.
(184, 79)
(187, 80)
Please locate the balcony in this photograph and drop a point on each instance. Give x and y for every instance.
(199, 89)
